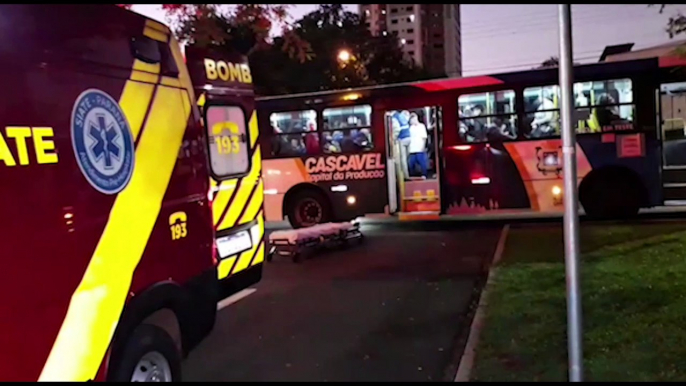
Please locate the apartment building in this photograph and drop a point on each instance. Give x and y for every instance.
(428, 33)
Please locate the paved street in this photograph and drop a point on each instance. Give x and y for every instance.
(391, 309)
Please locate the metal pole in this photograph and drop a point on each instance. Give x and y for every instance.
(571, 215)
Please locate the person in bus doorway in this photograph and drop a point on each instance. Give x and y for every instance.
(418, 137)
(401, 128)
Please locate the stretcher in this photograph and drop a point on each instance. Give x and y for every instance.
(292, 243)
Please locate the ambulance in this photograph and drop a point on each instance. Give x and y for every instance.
(120, 230)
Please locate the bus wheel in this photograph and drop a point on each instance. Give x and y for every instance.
(612, 197)
(308, 208)
(149, 355)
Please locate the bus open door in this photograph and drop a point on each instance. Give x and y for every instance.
(412, 137)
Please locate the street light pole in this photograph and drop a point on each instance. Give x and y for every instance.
(571, 215)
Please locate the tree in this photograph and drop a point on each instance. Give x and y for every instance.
(328, 30)
(552, 61)
(244, 27)
(676, 24)
(304, 57)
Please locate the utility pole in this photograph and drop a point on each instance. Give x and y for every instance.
(571, 215)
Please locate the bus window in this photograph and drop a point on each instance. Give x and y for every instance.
(294, 133)
(347, 129)
(489, 116)
(542, 112)
(228, 143)
(603, 106)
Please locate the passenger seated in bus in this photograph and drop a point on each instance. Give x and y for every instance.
(500, 130)
(363, 140)
(297, 146)
(544, 123)
(329, 146)
(607, 115)
(476, 126)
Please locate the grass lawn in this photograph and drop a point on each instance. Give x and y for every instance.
(634, 305)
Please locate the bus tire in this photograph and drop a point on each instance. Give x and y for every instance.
(149, 355)
(307, 208)
(611, 195)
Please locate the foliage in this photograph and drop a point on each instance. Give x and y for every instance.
(244, 27)
(328, 30)
(552, 61)
(304, 57)
(676, 24)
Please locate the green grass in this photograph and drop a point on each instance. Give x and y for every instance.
(634, 306)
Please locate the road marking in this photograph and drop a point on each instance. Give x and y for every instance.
(235, 297)
(464, 369)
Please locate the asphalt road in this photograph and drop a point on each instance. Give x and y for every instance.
(395, 308)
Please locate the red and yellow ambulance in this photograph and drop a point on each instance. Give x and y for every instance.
(111, 263)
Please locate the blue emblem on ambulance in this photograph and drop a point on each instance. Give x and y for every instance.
(102, 141)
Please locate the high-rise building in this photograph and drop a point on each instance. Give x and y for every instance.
(428, 33)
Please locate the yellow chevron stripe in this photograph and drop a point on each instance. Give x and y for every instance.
(260, 255)
(244, 259)
(225, 267)
(243, 193)
(201, 100)
(97, 303)
(254, 205)
(220, 202)
(254, 131)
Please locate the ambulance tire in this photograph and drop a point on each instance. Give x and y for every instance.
(146, 339)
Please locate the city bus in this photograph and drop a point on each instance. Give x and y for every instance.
(469, 146)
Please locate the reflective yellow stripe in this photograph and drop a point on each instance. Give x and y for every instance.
(98, 301)
(225, 267)
(243, 194)
(221, 200)
(201, 100)
(134, 101)
(145, 72)
(168, 81)
(254, 132)
(153, 33)
(254, 205)
(157, 26)
(260, 255)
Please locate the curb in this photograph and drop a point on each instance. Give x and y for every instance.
(466, 365)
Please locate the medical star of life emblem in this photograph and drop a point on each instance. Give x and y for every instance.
(102, 141)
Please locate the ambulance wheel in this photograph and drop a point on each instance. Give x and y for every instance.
(307, 208)
(149, 355)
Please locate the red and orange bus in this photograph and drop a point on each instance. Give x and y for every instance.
(475, 145)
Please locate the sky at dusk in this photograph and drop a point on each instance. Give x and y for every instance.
(500, 38)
